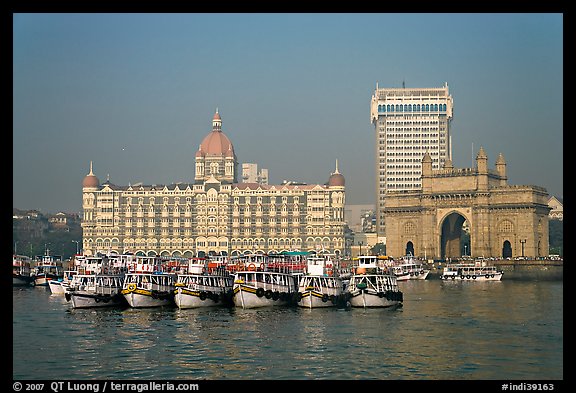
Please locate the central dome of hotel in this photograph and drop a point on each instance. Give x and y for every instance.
(216, 143)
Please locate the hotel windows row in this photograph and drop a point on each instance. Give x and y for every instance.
(412, 108)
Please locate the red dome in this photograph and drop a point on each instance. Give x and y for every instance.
(336, 180)
(90, 181)
(216, 143)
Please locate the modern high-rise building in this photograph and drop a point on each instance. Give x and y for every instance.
(214, 213)
(251, 174)
(408, 123)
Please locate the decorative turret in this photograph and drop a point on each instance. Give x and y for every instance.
(501, 169)
(336, 179)
(216, 156)
(90, 181)
(426, 172)
(482, 165)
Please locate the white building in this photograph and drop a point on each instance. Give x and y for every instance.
(408, 123)
(251, 174)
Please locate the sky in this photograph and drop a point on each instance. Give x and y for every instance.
(136, 94)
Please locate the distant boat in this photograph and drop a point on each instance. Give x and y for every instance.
(49, 267)
(475, 271)
(21, 271)
(407, 268)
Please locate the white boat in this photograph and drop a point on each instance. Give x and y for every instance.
(49, 267)
(202, 286)
(476, 271)
(147, 284)
(97, 281)
(265, 282)
(407, 268)
(61, 285)
(96, 290)
(372, 285)
(320, 285)
(22, 271)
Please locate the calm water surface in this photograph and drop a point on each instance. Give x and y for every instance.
(509, 330)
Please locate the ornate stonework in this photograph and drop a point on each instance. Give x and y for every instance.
(503, 220)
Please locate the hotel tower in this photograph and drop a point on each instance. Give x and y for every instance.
(408, 123)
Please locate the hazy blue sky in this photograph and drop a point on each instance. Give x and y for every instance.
(135, 94)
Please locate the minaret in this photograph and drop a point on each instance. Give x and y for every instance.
(501, 169)
(482, 167)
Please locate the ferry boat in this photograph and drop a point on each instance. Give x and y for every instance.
(202, 285)
(21, 271)
(98, 281)
(475, 271)
(408, 269)
(147, 284)
(320, 286)
(372, 285)
(49, 267)
(264, 282)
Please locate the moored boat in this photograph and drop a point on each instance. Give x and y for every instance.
(21, 271)
(476, 271)
(49, 267)
(147, 284)
(372, 285)
(407, 268)
(320, 285)
(95, 290)
(202, 285)
(261, 286)
(97, 281)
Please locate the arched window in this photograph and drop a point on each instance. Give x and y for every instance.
(418, 107)
(388, 108)
(444, 107)
(427, 108)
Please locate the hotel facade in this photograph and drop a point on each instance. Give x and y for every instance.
(408, 123)
(214, 213)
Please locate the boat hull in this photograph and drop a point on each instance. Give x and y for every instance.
(21, 281)
(141, 300)
(412, 276)
(186, 298)
(82, 299)
(368, 299)
(57, 287)
(315, 299)
(249, 297)
(473, 278)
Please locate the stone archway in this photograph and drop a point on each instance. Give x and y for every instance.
(409, 248)
(450, 236)
(506, 249)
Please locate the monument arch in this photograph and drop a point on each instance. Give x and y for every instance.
(502, 220)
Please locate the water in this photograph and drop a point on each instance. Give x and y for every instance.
(509, 330)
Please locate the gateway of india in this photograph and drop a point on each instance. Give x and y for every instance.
(503, 220)
(214, 214)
